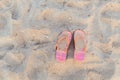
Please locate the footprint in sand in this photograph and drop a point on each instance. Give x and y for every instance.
(5, 5)
(110, 14)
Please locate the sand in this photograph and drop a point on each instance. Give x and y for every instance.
(29, 30)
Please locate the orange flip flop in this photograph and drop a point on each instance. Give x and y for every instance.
(80, 45)
(62, 45)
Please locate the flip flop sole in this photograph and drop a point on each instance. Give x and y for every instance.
(61, 55)
(79, 55)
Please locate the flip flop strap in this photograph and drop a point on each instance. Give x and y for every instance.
(68, 41)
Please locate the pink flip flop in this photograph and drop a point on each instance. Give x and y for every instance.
(62, 45)
(80, 45)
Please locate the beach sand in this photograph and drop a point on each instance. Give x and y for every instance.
(29, 30)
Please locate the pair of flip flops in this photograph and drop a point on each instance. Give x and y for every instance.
(63, 44)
